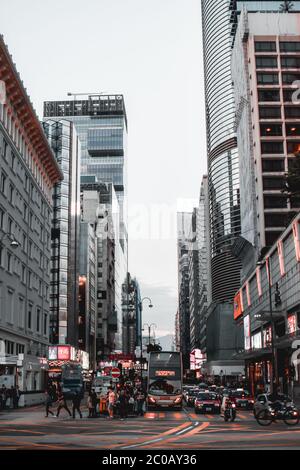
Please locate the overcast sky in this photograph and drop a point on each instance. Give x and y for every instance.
(150, 51)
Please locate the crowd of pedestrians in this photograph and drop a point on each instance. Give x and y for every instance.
(123, 402)
(127, 401)
(9, 397)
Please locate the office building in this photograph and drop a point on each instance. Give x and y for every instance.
(184, 221)
(64, 308)
(28, 172)
(100, 209)
(132, 315)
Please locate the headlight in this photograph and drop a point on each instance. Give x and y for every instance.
(233, 405)
(177, 400)
(152, 400)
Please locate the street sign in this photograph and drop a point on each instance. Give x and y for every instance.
(115, 373)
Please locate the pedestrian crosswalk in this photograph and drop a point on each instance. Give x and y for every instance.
(176, 415)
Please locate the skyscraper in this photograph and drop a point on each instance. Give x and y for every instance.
(101, 124)
(223, 169)
(65, 144)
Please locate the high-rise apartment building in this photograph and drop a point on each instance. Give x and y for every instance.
(265, 65)
(28, 171)
(64, 309)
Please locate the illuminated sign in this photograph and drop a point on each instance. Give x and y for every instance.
(238, 305)
(247, 333)
(296, 239)
(292, 323)
(63, 353)
(258, 281)
(52, 353)
(2, 92)
(281, 257)
(165, 373)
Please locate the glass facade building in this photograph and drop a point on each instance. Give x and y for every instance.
(223, 169)
(65, 144)
(101, 124)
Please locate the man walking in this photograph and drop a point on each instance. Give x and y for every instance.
(62, 404)
(48, 404)
(140, 400)
(16, 397)
(76, 404)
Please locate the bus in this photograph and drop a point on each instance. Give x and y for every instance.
(101, 385)
(72, 380)
(164, 380)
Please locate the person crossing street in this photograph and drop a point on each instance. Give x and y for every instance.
(62, 403)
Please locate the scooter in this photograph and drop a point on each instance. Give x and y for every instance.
(230, 412)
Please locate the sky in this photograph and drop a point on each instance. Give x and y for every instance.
(150, 51)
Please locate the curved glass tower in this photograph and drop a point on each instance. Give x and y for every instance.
(223, 169)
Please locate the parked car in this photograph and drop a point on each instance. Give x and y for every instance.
(242, 399)
(207, 402)
(263, 402)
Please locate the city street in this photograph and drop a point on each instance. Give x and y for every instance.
(29, 429)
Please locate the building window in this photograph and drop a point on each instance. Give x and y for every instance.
(45, 324)
(292, 111)
(290, 62)
(1, 257)
(274, 220)
(29, 317)
(9, 262)
(293, 147)
(266, 62)
(290, 46)
(271, 237)
(268, 78)
(265, 46)
(38, 319)
(9, 347)
(268, 95)
(275, 202)
(288, 95)
(267, 112)
(1, 219)
(290, 78)
(11, 194)
(3, 180)
(272, 147)
(272, 183)
(293, 129)
(270, 130)
(20, 349)
(23, 274)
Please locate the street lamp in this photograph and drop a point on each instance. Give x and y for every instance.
(13, 242)
(274, 354)
(141, 334)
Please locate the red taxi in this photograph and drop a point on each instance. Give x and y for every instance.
(207, 402)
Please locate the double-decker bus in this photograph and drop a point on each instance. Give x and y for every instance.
(164, 380)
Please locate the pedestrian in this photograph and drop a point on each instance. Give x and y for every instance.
(62, 403)
(123, 407)
(111, 402)
(2, 397)
(94, 403)
(16, 397)
(76, 404)
(90, 404)
(140, 399)
(48, 404)
(131, 405)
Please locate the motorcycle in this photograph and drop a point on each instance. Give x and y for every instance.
(230, 412)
